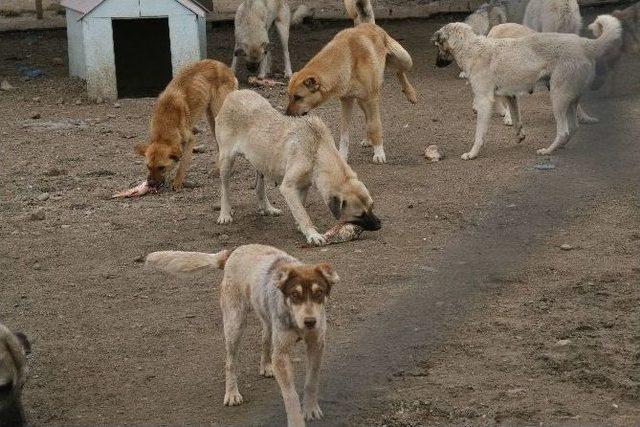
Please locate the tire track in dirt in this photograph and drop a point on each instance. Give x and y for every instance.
(439, 293)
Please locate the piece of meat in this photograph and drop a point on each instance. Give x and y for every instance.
(137, 191)
(255, 81)
(343, 233)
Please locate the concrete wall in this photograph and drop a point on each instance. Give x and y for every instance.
(26, 5)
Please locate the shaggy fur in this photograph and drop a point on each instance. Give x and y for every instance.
(13, 374)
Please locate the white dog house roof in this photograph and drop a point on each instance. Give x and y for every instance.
(84, 7)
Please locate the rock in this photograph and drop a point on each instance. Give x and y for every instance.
(37, 215)
(36, 99)
(60, 101)
(6, 86)
(562, 343)
(117, 105)
(200, 149)
(545, 166)
(56, 60)
(54, 172)
(44, 197)
(36, 116)
(216, 207)
(566, 247)
(78, 102)
(223, 238)
(433, 153)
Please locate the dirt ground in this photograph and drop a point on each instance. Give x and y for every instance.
(462, 310)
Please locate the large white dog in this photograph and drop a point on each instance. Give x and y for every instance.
(510, 67)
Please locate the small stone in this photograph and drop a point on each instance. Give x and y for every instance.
(54, 172)
(117, 105)
(6, 86)
(43, 197)
(37, 215)
(78, 102)
(36, 99)
(223, 238)
(56, 60)
(60, 101)
(433, 153)
(36, 116)
(37, 266)
(566, 247)
(199, 149)
(99, 100)
(216, 207)
(562, 343)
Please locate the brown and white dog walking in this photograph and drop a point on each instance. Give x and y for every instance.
(351, 68)
(288, 296)
(199, 89)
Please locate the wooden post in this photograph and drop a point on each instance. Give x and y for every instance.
(39, 12)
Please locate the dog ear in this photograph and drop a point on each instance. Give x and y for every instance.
(437, 38)
(328, 273)
(24, 342)
(141, 149)
(238, 52)
(312, 83)
(335, 206)
(283, 275)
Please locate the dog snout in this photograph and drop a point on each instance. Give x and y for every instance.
(310, 322)
(153, 183)
(252, 66)
(368, 222)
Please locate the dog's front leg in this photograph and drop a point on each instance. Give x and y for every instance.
(290, 192)
(485, 107)
(183, 165)
(282, 26)
(284, 375)
(345, 126)
(265, 65)
(264, 206)
(310, 406)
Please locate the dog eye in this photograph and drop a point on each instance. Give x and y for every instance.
(318, 293)
(6, 388)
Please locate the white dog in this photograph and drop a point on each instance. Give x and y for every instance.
(510, 67)
(288, 296)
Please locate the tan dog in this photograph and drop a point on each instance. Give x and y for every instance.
(294, 152)
(199, 89)
(289, 298)
(13, 374)
(351, 68)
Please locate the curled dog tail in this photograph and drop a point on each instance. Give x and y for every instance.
(360, 11)
(301, 13)
(177, 263)
(609, 31)
(399, 58)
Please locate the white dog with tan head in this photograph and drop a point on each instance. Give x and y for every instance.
(288, 296)
(511, 67)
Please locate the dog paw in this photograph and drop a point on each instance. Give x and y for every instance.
(267, 371)
(462, 75)
(365, 143)
(225, 218)
(378, 155)
(468, 156)
(176, 185)
(520, 137)
(544, 151)
(312, 412)
(315, 238)
(232, 398)
(270, 211)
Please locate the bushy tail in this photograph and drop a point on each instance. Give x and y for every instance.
(301, 13)
(609, 30)
(360, 11)
(176, 262)
(399, 58)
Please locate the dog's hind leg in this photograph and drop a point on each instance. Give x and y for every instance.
(185, 160)
(212, 124)
(282, 26)
(226, 164)
(310, 406)
(264, 206)
(504, 111)
(561, 107)
(345, 126)
(284, 375)
(485, 109)
(234, 313)
(584, 118)
(572, 120)
(513, 106)
(371, 109)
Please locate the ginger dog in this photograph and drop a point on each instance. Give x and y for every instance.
(199, 89)
(351, 68)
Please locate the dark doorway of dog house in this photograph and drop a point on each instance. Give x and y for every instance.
(142, 55)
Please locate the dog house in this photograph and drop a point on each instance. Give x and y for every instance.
(132, 48)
